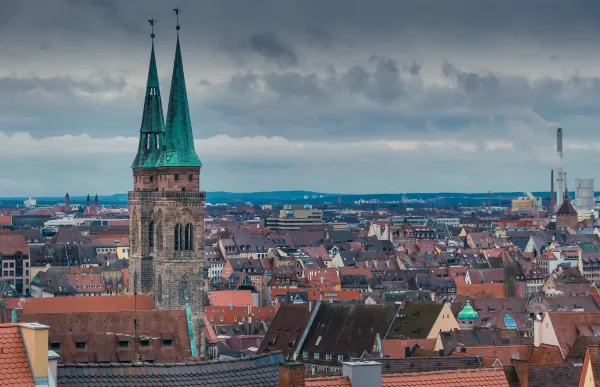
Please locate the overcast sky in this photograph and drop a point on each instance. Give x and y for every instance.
(340, 96)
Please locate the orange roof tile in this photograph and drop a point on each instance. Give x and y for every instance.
(5, 219)
(13, 358)
(231, 297)
(481, 290)
(480, 377)
(12, 243)
(82, 304)
(328, 381)
(546, 354)
(504, 353)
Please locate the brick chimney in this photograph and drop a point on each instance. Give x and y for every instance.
(522, 368)
(291, 374)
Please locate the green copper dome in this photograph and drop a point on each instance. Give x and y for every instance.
(468, 313)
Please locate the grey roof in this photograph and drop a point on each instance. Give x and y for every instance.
(259, 371)
(426, 364)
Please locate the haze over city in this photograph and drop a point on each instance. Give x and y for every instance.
(341, 96)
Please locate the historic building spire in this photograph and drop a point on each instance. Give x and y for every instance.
(153, 124)
(179, 148)
(166, 208)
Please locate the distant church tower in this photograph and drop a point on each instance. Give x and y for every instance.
(67, 203)
(166, 206)
(88, 201)
(96, 202)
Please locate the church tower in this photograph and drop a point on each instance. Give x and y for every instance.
(166, 206)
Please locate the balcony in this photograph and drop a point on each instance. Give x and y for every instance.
(138, 195)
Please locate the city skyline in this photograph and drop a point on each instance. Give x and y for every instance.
(396, 97)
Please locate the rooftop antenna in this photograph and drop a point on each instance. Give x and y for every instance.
(177, 13)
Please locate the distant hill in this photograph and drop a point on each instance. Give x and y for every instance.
(282, 197)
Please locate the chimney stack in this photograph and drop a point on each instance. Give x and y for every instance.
(363, 373)
(291, 374)
(560, 178)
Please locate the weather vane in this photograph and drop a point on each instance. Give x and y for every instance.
(177, 13)
(152, 23)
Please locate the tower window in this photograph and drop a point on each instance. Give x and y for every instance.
(151, 179)
(147, 141)
(176, 177)
(178, 237)
(151, 234)
(189, 237)
(190, 177)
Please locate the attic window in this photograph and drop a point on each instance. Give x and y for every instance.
(80, 345)
(318, 340)
(144, 343)
(123, 344)
(55, 346)
(167, 342)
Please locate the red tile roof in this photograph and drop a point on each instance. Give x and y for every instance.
(82, 304)
(546, 354)
(482, 377)
(5, 220)
(12, 243)
(481, 290)
(328, 381)
(231, 297)
(14, 366)
(568, 325)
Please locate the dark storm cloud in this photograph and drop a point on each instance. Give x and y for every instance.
(271, 48)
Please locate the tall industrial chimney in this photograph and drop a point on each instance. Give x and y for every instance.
(551, 205)
(560, 191)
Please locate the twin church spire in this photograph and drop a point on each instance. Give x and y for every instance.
(171, 145)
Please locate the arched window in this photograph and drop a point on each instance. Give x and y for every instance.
(159, 237)
(189, 237)
(178, 237)
(159, 296)
(183, 291)
(151, 234)
(134, 234)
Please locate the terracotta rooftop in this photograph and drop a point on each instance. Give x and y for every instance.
(12, 243)
(82, 304)
(231, 297)
(568, 326)
(546, 354)
(481, 290)
(397, 348)
(14, 366)
(328, 381)
(484, 377)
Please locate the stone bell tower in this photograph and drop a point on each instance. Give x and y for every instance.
(166, 206)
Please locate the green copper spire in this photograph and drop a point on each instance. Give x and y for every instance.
(153, 124)
(178, 150)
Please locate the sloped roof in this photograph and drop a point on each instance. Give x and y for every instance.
(415, 320)
(567, 209)
(397, 348)
(102, 333)
(255, 371)
(231, 297)
(12, 243)
(546, 354)
(347, 329)
(285, 330)
(567, 326)
(424, 364)
(485, 377)
(14, 365)
(82, 304)
(328, 381)
(551, 375)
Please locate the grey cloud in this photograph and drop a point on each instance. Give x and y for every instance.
(242, 83)
(61, 85)
(293, 84)
(271, 48)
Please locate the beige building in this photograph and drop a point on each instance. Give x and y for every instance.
(293, 217)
